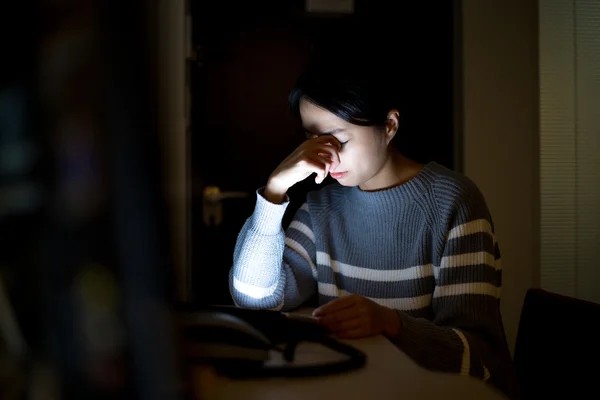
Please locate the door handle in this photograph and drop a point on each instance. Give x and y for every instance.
(213, 194)
(212, 197)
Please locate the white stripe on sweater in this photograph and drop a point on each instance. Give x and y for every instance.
(400, 303)
(297, 247)
(465, 367)
(461, 260)
(256, 292)
(374, 275)
(299, 226)
(329, 289)
(436, 273)
(471, 227)
(466, 288)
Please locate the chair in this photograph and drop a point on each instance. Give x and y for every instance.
(557, 351)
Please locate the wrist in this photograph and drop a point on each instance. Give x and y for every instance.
(274, 193)
(393, 324)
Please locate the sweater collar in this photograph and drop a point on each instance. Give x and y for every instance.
(403, 193)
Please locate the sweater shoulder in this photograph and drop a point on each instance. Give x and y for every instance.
(457, 196)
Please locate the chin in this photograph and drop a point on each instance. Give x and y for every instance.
(348, 183)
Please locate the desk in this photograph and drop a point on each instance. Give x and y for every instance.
(388, 374)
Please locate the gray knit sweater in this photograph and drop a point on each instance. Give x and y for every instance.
(425, 248)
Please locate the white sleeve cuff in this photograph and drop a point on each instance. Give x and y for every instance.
(267, 216)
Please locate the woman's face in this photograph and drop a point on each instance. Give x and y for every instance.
(364, 149)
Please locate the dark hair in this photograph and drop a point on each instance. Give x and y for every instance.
(357, 92)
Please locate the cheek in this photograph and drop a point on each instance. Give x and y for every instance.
(361, 157)
(370, 153)
(349, 156)
(364, 151)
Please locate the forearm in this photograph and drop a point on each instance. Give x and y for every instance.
(439, 348)
(256, 273)
(270, 270)
(256, 279)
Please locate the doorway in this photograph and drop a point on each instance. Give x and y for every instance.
(248, 58)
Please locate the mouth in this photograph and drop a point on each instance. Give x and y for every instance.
(338, 175)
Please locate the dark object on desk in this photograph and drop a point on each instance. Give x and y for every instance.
(557, 346)
(275, 325)
(237, 342)
(211, 335)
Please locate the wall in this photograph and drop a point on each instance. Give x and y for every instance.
(570, 147)
(171, 53)
(500, 140)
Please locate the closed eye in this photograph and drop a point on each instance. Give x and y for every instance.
(310, 135)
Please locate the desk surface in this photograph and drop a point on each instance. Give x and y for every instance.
(388, 374)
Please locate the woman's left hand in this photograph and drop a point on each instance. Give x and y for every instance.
(354, 316)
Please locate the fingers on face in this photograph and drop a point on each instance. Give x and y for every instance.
(330, 145)
(320, 165)
(331, 154)
(323, 153)
(329, 140)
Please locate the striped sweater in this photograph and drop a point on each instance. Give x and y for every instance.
(425, 248)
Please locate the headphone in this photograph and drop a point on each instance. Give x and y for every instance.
(355, 360)
(284, 334)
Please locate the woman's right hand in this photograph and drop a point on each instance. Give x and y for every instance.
(318, 155)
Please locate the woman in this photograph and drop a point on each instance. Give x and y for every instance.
(393, 247)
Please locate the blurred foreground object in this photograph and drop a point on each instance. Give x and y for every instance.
(85, 253)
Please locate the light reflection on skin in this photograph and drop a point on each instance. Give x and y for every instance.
(367, 157)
